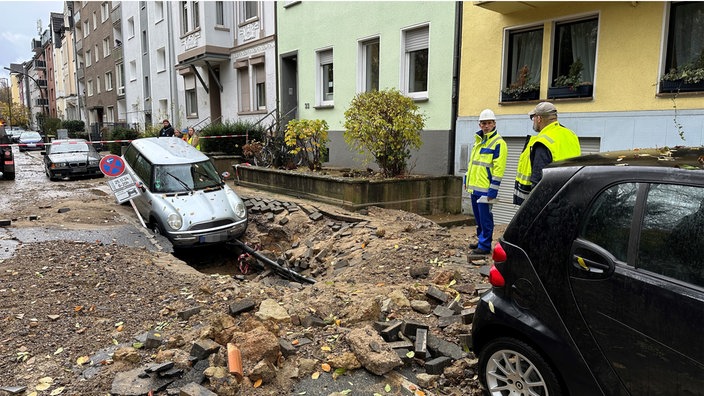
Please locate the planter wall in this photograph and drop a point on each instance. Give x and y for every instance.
(417, 194)
(582, 91)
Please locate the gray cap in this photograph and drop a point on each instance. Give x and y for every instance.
(543, 108)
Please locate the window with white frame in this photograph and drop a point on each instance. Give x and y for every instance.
(106, 47)
(120, 78)
(130, 28)
(111, 114)
(159, 10)
(243, 85)
(684, 60)
(95, 20)
(133, 70)
(89, 87)
(96, 53)
(575, 43)
(250, 9)
(108, 81)
(97, 85)
(86, 28)
(220, 13)
(325, 81)
(189, 81)
(523, 63)
(369, 65)
(184, 18)
(415, 62)
(260, 85)
(195, 10)
(89, 59)
(104, 11)
(160, 59)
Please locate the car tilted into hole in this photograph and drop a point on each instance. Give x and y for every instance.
(182, 195)
(598, 281)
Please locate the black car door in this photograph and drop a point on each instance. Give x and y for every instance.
(642, 301)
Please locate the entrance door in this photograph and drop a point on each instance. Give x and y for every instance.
(289, 88)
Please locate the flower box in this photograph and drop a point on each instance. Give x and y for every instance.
(676, 86)
(532, 95)
(581, 91)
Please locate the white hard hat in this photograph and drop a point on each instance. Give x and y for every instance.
(487, 115)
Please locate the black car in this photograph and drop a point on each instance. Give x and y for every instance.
(598, 281)
(71, 158)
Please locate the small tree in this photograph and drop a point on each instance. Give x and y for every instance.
(386, 125)
(309, 138)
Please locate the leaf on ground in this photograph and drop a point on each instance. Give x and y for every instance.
(77, 308)
(315, 375)
(137, 345)
(42, 387)
(419, 393)
(410, 354)
(387, 388)
(326, 367)
(346, 392)
(57, 391)
(325, 348)
(58, 351)
(258, 383)
(118, 324)
(82, 360)
(295, 342)
(338, 372)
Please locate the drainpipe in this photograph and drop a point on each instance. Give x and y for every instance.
(455, 88)
(276, 64)
(172, 76)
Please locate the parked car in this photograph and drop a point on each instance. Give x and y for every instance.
(71, 158)
(30, 140)
(598, 281)
(7, 160)
(182, 195)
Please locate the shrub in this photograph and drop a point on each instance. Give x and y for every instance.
(242, 130)
(121, 134)
(386, 125)
(76, 128)
(309, 137)
(50, 126)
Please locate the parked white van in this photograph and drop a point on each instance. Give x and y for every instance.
(183, 196)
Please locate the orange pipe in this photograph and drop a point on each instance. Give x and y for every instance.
(234, 361)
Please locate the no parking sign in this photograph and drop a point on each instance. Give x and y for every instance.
(112, 165)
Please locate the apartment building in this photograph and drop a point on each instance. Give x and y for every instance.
(64, 76)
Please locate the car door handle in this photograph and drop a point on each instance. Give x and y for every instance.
(589, 265)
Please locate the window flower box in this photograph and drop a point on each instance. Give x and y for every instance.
(521, 97)
(676, 86)
(580, 91)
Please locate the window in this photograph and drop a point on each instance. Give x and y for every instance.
(89, 59)
(130, 27)
(106, 47)
(609, 221)
(184, 17)
(674, 223)
(111, 114)
(523, 65)
(191, 97)
(145, 43)
(575, 42)
(133, 70)
(243, 84)
(108, 81)
(104, 12)
(369, 65)
(142, 5)
(161, 59)
(89, 86)
(97, 53)
(196, 14)
(147, 89)
(120, 78)
(159, 10)
(250, 9)
(325, 78)
(685, 40)
(86, 28)
(95, 20)
(260, 86)
(97, 85)
(220, 13)
(416, 62)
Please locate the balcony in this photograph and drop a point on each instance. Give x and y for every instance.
(41, 102)
(42, 83)
(79, 73)
(37, 45)
(117, 54)
(116, 14)
(120, 91)
(79, 45)
(39, 64)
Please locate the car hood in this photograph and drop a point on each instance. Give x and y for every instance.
(30, 140)
(72, 157)
(200, 206)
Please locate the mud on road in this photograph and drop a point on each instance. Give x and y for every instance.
(103, 283)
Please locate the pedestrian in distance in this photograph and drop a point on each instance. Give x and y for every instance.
(192, 138)
(167, 130)
(484, 174)
(553, 143)
(179, 133)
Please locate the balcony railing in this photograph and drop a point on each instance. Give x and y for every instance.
(39, 64)
(116, 14)
(41, 102)
(117, 54)
(41, 83)
(79, 45)
(36, 45)
(79, 73)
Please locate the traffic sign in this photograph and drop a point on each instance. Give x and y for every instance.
(112, 165)
(124, 188)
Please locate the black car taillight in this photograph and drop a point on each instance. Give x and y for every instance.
(499, 256)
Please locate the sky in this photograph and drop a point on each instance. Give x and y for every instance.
(19, 27)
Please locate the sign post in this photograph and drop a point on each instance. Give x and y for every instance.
(123, 186)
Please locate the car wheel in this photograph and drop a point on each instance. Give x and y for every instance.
(8, 175)
(508, 366)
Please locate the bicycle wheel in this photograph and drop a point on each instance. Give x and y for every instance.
(267, 158)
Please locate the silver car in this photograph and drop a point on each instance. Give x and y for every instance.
(183, 197)
(71, 158)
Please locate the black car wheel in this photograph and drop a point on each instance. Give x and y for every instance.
(9, 175)
(508, 366)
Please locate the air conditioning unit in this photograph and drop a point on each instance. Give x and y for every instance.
(120, 91)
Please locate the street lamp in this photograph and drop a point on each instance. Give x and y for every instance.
(44, 108)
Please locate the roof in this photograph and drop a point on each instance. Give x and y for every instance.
(675, 157)
(168, 151)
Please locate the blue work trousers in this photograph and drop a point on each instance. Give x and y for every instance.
(485, 222)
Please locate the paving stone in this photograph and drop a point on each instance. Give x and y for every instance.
(63, 210)
(445, 321)
(156, 368)
(440, 347)
(437, 365)
(243, 305)
(203, 348)
(442, 311)
(455, 306)
(390, 333)
(468, 315)
(185, 315)
(436, 293)
(5, 222)
(400, 344)
(410, 327)
(193, 389)
(286, 347)
(316, 216)
(421, 346)
(283, 221)
(153, 340)
(312, 321)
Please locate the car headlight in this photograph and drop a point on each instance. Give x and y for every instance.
(174, 221)
(236, 203)
(59, 165)
(241, 210)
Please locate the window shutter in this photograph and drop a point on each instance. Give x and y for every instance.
(260, 74)
(257, 60)
(325, 57)
(189, 81)
(240, 64)
(417, 39)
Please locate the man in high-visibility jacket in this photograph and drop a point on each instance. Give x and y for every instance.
(484, 173)
(554, 142)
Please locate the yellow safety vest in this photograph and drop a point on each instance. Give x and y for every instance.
(485, 171)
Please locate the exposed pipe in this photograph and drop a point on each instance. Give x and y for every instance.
(280, 269)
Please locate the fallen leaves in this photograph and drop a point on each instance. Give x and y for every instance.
(82, 360)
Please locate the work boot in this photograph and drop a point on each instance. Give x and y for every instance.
(477, 254)
(473, 246)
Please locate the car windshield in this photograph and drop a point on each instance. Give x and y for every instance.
(185, 177)
(69, 148)
(30, 135)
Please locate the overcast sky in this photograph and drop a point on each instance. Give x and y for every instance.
(18, 27)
